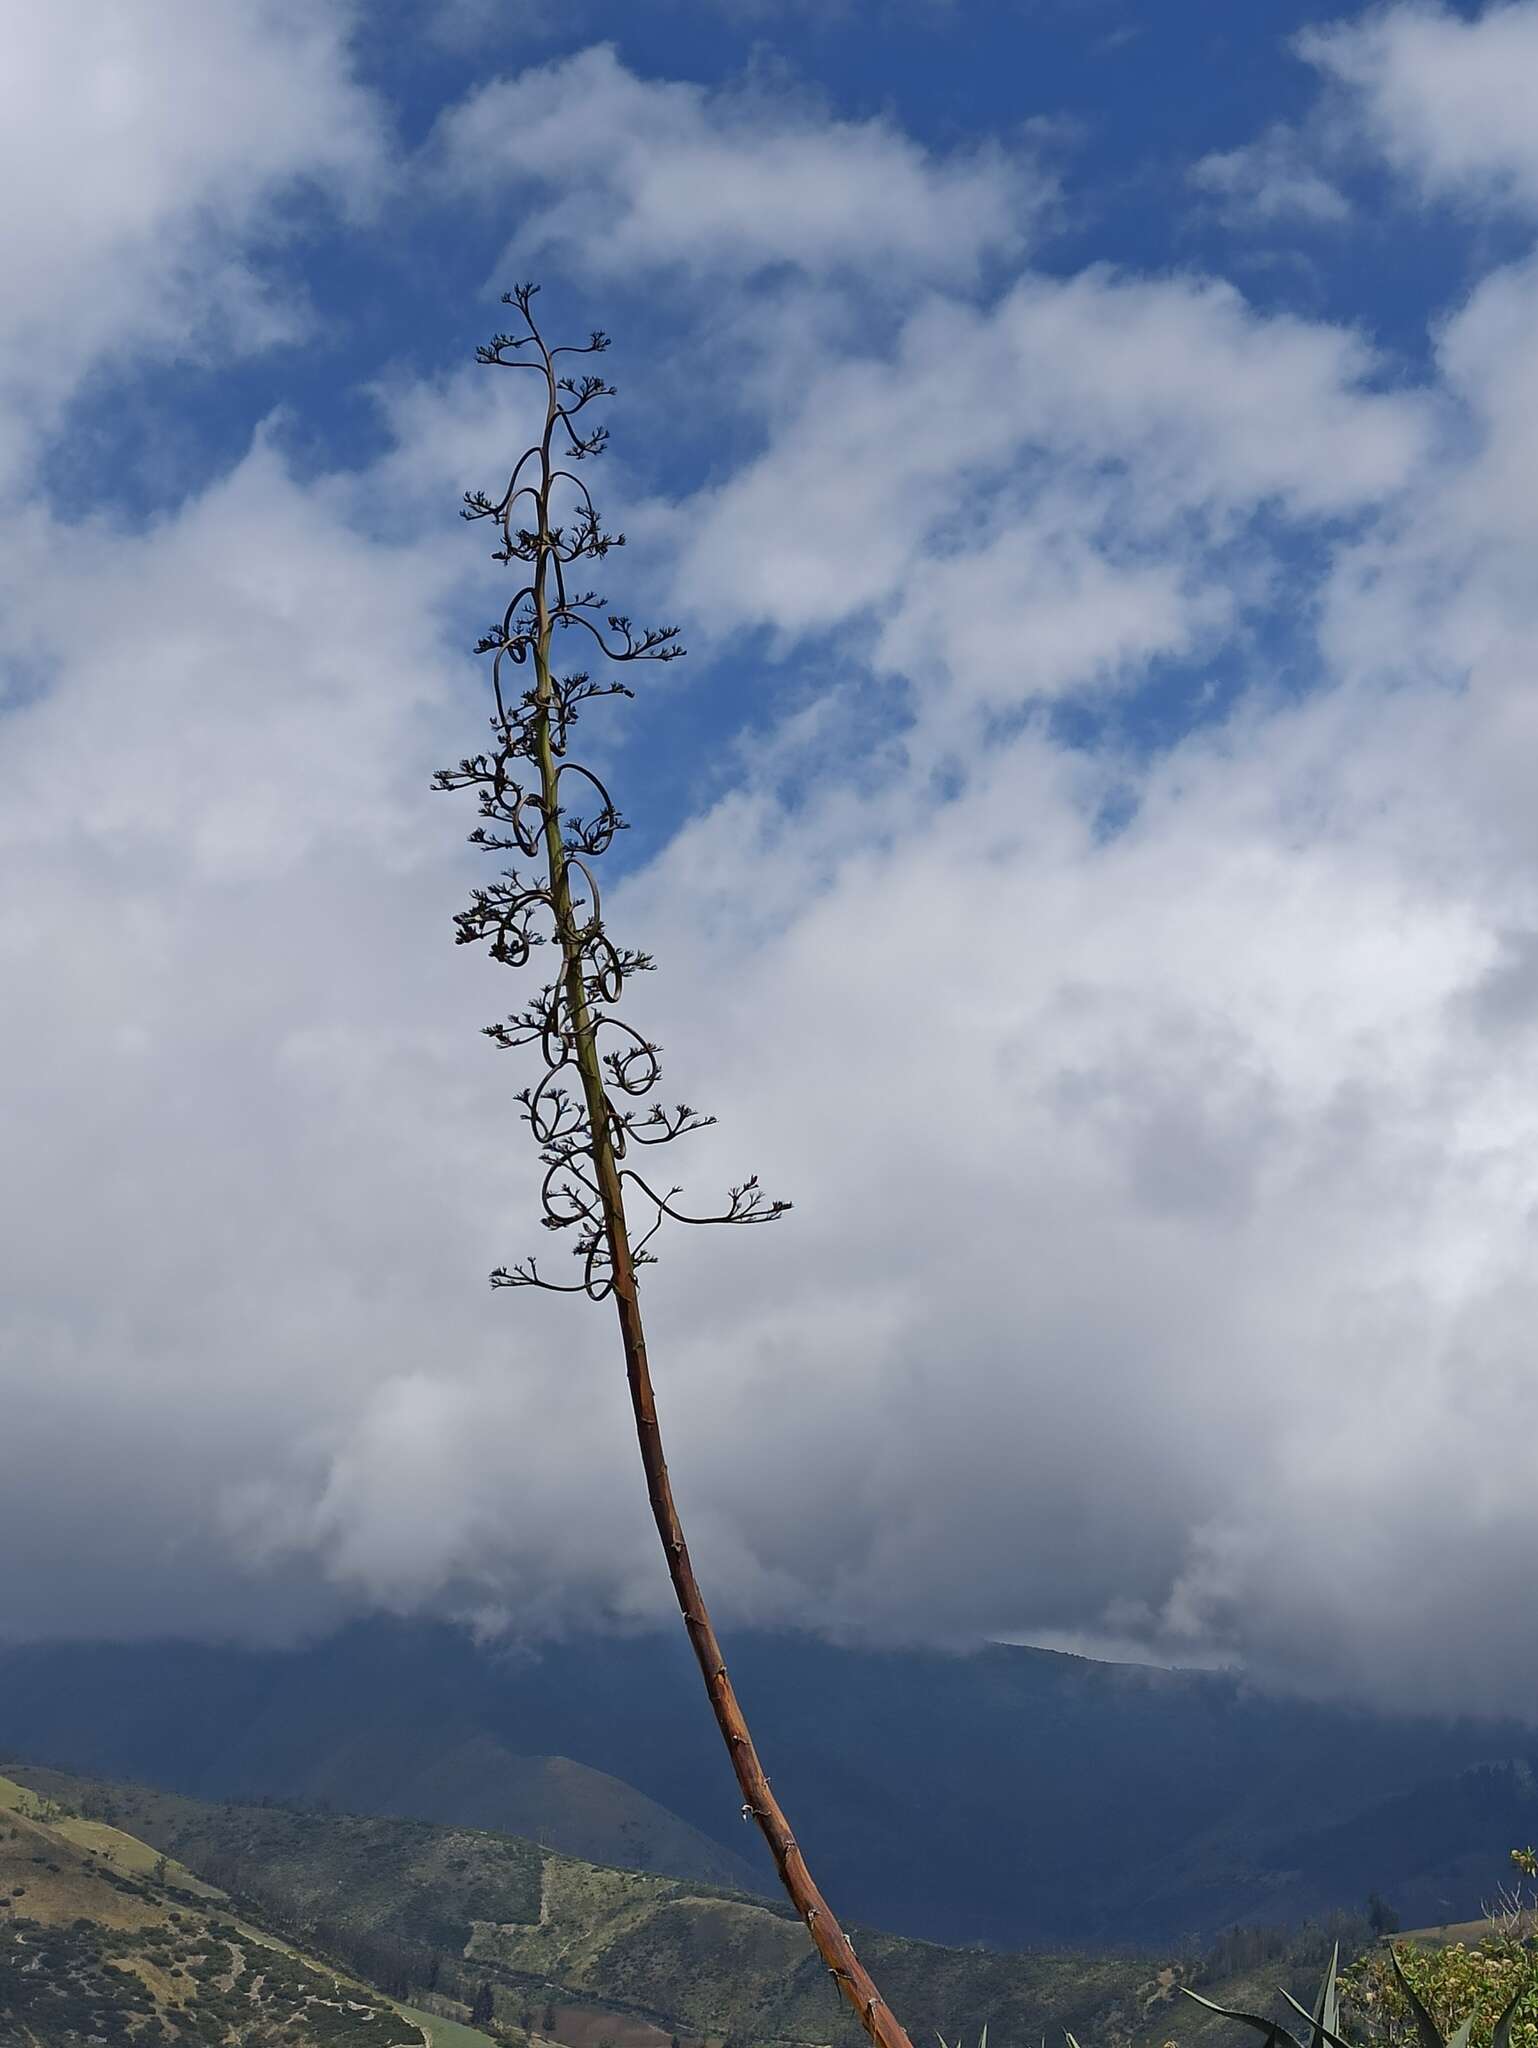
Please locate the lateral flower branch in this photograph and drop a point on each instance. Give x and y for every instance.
(593, 1110)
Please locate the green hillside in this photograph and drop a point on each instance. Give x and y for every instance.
(105, 1940)
(585, 1956)
(581, 1811)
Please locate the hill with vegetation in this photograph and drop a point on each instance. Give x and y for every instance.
(106, 1940)
(124, 1910)
(552, 1950)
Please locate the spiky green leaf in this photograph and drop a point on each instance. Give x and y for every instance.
(1426, 2026)
(1501, 2036)
(1273, 2030)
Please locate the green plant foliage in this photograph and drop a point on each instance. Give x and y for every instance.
(1458, 1994)
(1482, 1994)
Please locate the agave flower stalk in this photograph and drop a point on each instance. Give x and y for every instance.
(593, 1110)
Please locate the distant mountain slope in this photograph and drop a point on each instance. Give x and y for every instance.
(568, 1805)
(404, 1731)
(1445, 1842)
(1012, 1796)
(590, 1953)
(101, 1941)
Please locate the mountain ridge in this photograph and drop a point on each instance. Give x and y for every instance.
(1011, 1796)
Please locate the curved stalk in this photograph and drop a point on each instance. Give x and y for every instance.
(586, 1176)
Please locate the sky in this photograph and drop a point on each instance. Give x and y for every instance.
(1090, 851)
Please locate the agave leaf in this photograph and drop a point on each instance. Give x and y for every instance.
(1273, 2030)
(1323, 2036)
(1327, 2006)
(1072, 2043)
(1425, 2024)
(1461, 2038)
(1501, 2037)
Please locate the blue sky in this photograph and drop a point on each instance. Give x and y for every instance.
(1089, 850)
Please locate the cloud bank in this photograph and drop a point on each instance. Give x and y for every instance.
(1162, 1119)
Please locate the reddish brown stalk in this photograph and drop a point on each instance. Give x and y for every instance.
(835, 1947)
(759, 1802)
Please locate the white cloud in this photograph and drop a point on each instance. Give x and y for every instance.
(1051, 491)
(1447, 99)
(624, 175)
(239, 703)
(1164, 1194)
(146, 154)
(1271, 180)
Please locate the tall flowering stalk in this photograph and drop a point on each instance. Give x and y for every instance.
(593, 1112)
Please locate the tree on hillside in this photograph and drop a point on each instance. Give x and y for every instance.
(594, 1113)
(483, 2007)
(1381, 1917)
